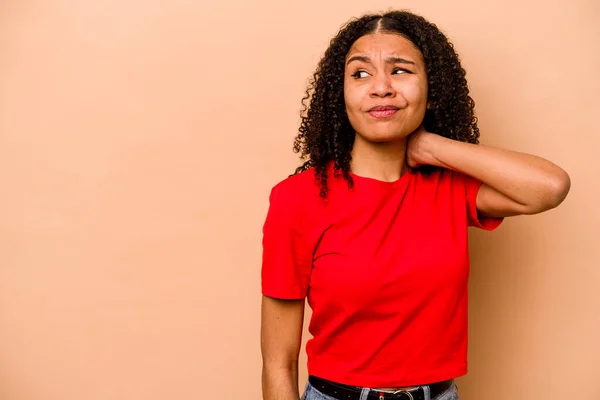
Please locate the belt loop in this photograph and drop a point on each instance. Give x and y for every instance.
(427, 392)
(364, 393)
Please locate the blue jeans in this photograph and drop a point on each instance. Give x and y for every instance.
(310, 393)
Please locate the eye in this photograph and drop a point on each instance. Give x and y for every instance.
(401, 71)
(360, 74)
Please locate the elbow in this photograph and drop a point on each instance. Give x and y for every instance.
(554, 193)
(280, 365)
(559, 189)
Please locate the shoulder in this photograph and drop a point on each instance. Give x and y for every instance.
(296, 186)
(443, 175)
(444, 182)
(294, 203)
(297, 183)
(297, 192)
(435, 176)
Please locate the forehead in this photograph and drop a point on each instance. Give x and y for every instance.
(385, 43)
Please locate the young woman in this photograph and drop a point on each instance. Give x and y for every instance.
(372, 228)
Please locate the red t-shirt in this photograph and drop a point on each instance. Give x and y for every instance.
(385, 268)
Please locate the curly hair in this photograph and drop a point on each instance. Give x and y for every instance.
(325, 133)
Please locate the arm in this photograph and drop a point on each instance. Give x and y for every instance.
(513, 183)
(281, 335)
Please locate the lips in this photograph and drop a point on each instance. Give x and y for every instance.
(383, 111)
(383, 108)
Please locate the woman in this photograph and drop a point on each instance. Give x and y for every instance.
(372, 228)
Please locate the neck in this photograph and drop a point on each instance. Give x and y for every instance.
(381, 161)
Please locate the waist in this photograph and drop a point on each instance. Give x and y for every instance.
(343, 391)
(394, 374)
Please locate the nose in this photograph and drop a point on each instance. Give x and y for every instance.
(382, 86)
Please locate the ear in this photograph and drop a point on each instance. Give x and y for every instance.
(428, 105)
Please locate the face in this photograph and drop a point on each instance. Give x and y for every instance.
(385, 87)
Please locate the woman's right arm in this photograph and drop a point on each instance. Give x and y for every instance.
(281, 338)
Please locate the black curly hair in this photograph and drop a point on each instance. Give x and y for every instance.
(325, 133)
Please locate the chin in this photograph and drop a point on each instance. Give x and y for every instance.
(384, 137)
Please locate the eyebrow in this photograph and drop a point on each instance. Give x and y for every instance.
(389, 60)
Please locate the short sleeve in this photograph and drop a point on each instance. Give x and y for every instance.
(287, 253)
(475, 218)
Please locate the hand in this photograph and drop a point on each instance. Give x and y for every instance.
(419, 148)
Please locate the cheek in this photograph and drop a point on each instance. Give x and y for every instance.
(423, 90)
(352, 98)
(415, 94)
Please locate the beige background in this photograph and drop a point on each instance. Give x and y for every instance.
(138, 144)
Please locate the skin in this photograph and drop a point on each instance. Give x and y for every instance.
(281, 337)
(383, 69)
(513, 183)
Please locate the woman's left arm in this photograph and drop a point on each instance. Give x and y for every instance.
(513, 183)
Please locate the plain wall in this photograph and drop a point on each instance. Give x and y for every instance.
(139, 141)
